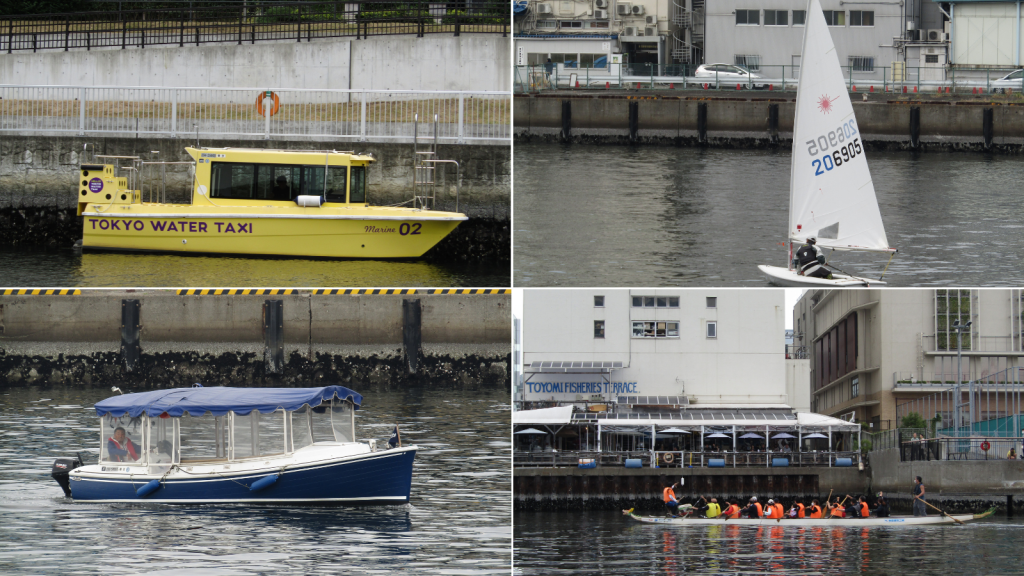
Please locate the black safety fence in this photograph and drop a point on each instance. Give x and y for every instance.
(250, 22)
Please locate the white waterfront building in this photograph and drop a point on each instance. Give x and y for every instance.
(702, 346)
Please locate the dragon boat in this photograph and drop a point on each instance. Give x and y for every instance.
(823, 522)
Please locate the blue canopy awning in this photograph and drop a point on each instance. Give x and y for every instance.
(221, 400)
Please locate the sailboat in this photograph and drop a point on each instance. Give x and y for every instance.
(831, 196)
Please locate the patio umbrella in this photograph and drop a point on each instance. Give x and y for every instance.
(752, 435)
(815, 435)
(530, 431)
(673, 431)
(783, 435)
(719, 435)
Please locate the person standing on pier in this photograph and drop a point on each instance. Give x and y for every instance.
(919, 509)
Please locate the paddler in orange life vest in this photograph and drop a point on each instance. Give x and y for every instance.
(732, 511)
(753, 509)
(815, 510)
(669, 496)
(120, 448)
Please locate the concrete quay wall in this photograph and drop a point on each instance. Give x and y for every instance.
(360, 341)
(607, 488)
(743, 121)
(435, 62)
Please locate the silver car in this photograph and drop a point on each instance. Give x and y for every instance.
(728, 74)
(1013, 80)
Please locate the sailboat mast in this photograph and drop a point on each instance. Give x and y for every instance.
(796, 120)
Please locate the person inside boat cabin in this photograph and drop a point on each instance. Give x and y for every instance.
(811, 260)
(281, 189)
(120, 448)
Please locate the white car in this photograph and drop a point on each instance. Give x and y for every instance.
(728, 74)
(1014, 80)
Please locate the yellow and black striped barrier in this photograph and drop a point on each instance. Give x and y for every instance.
(236, 292)
(470, 291)
(357, 291)
(40, 292)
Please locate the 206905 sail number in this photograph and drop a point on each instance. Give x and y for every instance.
(842, 145)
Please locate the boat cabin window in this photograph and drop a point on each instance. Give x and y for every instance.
(328, 422)
(256, 434)
(358, 191)
(202, 438)
(122, 439)
(245, 181)
(162, 448)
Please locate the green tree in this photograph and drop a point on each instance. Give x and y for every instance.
(912, 420)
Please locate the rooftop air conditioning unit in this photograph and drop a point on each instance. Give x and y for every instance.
(623, 9)
(601, 3)
(543, 8)
(933, 35)
(632, 31)
(638, 10)
(651, 20)
(945, 36)
(651, 31)
(601, 14)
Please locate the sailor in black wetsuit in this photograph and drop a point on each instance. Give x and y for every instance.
(810, 260)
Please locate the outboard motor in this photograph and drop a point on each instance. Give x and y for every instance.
(60, 470)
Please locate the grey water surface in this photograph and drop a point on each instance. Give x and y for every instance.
(610, 543)
(587, 215)
(458, 520)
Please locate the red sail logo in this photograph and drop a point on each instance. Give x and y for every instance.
(825, 105)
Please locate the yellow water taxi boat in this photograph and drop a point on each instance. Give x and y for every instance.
(259, 202)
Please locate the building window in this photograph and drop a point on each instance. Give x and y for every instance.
(776, 17)
(835, 17)
(570, 24)
(855, 387)
(598, 301)
(712, 301)
(655, 329)
(712, 329)
(566, 60)
(547, 24)
(748, 17)
(931, 58)
(862, 18)
(598, 328)
(594, 60)
(799, 17)
(951, 307)
(599, 25)
(862, 63)
(750, 62)
(655, 301)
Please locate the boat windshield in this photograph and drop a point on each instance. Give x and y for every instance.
(358, 191)
(122, 439)
(202, 437)
(258, 434)
(162, 448)
(334, 422)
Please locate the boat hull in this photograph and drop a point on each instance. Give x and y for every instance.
(295, 232)
(788, 278)
(372, 478)
(822, 522)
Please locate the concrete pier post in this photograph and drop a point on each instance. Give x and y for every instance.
(987, 128)
(411, 333)
(634, 120)
(702, 122)
(131, 333)
(566, 120)
(273, 336)
(915, 126)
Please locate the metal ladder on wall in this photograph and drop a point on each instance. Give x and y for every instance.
(425, 169)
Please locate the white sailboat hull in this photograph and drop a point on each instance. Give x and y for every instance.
(790, 279)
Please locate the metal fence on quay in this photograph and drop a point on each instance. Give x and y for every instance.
(686, 459)
(250, 22)
(915, 444)
(990, 406)
(472, 117)
(885, 79)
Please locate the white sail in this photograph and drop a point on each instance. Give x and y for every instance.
(831, 194)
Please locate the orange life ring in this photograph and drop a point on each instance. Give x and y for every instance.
(272, 96)
(985, 446)
(669, 458)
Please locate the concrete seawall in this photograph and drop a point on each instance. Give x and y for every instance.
(435, 62)
(366, 340)
(744, 120)
(611, 489)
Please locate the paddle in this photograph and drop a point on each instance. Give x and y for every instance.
(941, 511)
(839, 270)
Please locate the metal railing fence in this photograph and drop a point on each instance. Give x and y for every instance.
(991, 406)
(250, 22)
(973, 448)
(885, 79)
(350, 115)
(680, 459)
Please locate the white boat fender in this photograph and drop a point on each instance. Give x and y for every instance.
(309, 201)
(264, 482)
(148, 488)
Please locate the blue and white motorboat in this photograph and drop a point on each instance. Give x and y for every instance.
(236, 445)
